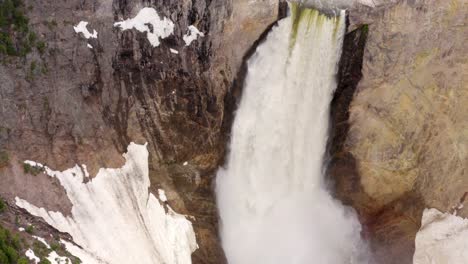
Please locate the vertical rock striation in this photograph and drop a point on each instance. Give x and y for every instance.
(83, 100)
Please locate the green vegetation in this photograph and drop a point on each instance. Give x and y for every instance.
(42, 252)
(33, 66)
(50, 24)
(4, 158)
(13, 28)
(2, 206)
(23, 261)
(34, 170)
(30, 229)
(10, 245)
(365, 29)
(55, 246)
(16, 38)
(41, 47)
(61, 251)
(12, 248)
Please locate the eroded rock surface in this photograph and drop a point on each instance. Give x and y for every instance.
(399, 142)
(406, 145)
(81, 101)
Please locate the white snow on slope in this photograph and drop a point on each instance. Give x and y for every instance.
(54, 258)
(161, 28)
(442, 239)
(31, 256)
(81, 28)
(162, 195)
(42, 240)
(192, 35)
(116, 220)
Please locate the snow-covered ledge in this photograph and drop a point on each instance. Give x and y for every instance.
(443, 238)
(116, 220)
(161, 27)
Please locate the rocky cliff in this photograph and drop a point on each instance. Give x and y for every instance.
(400, 132)
(399, 116)
(78, 100)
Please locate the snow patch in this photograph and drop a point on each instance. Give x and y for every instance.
(89, 46)
(85, 257)
(54, 258)
(40, 239)
(174, 51)
(85, 170)
(160, 28)
(81, 28)
(192, 35)
(33, 163)
(114, 219)
(21, 229)
(31, 256)
(162, 195)
(443, 238)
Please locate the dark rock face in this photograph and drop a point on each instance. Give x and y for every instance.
(84, 106)
(342, 166)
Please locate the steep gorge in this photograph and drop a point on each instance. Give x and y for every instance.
(398, 125)
(91, 103)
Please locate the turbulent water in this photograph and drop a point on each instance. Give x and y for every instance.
(273, 202)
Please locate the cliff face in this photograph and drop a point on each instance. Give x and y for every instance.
(399, 116)
(71, 104)
(405, 145)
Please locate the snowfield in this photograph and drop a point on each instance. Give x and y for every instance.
(115, 219)
(442, 239)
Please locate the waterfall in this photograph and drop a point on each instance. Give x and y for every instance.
(272, 197)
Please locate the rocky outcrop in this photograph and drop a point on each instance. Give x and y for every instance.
(405, 145)
(72, 104)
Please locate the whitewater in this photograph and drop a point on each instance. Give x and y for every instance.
(274, 204)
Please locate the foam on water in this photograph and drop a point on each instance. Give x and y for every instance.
(273, 202)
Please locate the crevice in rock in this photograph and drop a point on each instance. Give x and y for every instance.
(341, 166)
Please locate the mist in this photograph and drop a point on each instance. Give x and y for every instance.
(273, 201)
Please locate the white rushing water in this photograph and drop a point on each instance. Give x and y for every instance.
(272, 197)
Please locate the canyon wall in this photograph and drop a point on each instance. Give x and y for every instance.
(399, 118)
(74, 100)
(400, 138)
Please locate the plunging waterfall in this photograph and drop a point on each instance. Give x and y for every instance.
(274, 205)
